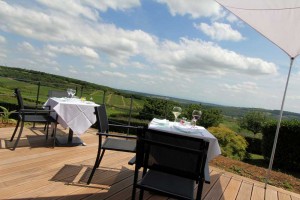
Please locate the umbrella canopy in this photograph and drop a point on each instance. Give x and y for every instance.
(278, 21)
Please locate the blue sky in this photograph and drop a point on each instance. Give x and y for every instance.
(191, 49)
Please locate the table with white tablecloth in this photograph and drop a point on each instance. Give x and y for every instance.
(190, 131)
(73, 113)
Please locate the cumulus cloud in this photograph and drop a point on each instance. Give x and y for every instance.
(74, 51)
(62, 28)
(219, 31)
(26, 46)
(207, 57)
(113, 4)
(90, 66)
(73, 8)
(242, 87)
(194, 8)
(2, 39)
(113, 74)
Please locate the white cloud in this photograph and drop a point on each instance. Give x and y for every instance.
(113, 4)
(73, 50)
(194, 8)
(26, 46)
(249, 87)
(232, 18)
(2, 39)
(113, 74)
(90, 66)
(220, 31)
(62, 28)
(196, 56)
(73, 8)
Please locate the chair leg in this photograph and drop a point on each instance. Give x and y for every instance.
(19, 136)
(46, 128)
(135, 178)
(199, 191)
(141, 194)
(54, 134)
(97, 161)
(14, 133)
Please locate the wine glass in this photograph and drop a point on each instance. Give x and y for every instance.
(176, 111)
(196, 114)
(73, 92)
(69, 91)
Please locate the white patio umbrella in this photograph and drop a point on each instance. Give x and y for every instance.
(278, 21)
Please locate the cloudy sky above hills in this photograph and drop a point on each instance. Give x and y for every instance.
(191, 49)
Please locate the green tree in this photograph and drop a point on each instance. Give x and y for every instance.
(253, 121)
(211, 117)
(157, 108)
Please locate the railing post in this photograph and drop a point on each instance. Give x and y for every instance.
(37, 98)
(103, 100)
(38, 94)
(166, 109)
(81, 89)
(130, 111)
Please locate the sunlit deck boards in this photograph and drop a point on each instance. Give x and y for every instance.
(36, 171)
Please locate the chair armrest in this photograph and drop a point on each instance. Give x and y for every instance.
(125, 126)
(35, 111)
(116, 135)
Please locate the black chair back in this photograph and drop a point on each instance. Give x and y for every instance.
(102, 119)
(19, 98)
(172, 154)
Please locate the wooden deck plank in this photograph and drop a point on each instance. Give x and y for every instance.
(245, 191)
(231, 190)
(271, 194)
(295, 198)
(218, 188)
(258, 193)
(282, 196)
(41, 172)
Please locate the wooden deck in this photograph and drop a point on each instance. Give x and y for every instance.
(37, 171)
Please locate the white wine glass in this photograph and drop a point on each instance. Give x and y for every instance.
(69, 91)
(73, 92)
(176, 111)
(196, 114)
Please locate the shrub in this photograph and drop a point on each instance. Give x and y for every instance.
(254, 145)
(288, 144)
(232, 144)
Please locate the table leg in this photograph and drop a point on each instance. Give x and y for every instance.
(71, 140)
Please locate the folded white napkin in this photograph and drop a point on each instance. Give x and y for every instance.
(186, 128)
(159, 121)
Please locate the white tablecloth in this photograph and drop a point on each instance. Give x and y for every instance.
(196, 132)
(73, 113)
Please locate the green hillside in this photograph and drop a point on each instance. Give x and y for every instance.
(119, 101)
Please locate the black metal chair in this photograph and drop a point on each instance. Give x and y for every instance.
(30, 115)
(115, 142)
(172, 164)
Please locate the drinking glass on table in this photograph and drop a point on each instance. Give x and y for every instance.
(73, 92)
(196, 114)
(176, 111)
(69, 91)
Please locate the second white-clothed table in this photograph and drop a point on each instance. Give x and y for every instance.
(187, 130)
(73, 113)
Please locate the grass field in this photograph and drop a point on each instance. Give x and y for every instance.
(116, 103)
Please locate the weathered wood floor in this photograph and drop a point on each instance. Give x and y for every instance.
(37, 171)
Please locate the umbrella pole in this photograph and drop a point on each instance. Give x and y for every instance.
(278, 125)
